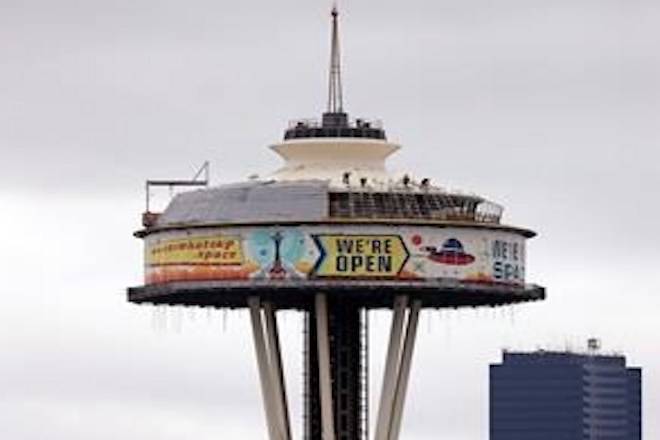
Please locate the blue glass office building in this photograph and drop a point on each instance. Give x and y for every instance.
(564, 396)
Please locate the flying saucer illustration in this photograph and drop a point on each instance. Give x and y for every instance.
(451, 253)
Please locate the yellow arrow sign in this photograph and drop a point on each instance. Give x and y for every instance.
(360, 256)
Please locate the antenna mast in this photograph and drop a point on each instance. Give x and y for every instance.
(335, 99)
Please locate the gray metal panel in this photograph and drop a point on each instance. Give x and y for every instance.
(250, 202)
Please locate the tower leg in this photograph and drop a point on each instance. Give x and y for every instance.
(262, 363)
(277, 374)
(397, 369)
(267, 349)
(325, 384)
(391, 368)
(404, 374)
(312, 404)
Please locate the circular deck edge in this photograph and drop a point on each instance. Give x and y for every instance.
(297, 295)
(527, 233)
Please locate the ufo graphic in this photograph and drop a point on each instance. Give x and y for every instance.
(451, 253)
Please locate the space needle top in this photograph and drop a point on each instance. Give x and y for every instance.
(335, 121)
(334, 168)
(335, 148)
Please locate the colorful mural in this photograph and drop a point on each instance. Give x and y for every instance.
(336, 252)
(278, 253)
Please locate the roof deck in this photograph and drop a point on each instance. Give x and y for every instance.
(335, 125)
(318, 201)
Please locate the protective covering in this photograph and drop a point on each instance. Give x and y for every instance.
(250, 202)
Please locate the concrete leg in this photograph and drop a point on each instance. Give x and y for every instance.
(262, 363)
(404, 370)
(325, 385)
(276, 373)
(391, 369)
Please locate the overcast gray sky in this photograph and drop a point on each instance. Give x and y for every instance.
(551, 108)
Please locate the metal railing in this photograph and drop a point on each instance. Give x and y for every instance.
(352, 123)
(413, 205)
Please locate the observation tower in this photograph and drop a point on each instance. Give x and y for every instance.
(333, 234)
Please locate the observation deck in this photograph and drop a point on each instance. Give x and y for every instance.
(335, 125)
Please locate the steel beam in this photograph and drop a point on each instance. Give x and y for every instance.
(313, 429)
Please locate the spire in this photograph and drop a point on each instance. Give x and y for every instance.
(335, 99)
(335, 122)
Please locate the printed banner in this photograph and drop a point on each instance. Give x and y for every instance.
(474, 255)
(359, 256)
(216, 250)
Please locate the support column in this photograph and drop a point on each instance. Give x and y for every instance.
(262, 363)
(277, 374)
(267, 348)
(397, 369)
(323, 344)
(391, 369)
(404, 374)
(312, 404)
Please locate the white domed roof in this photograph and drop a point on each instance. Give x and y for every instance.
(331, 158)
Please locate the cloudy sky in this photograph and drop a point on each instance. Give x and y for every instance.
(551, 108)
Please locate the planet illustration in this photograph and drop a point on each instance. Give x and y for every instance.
(451, 253)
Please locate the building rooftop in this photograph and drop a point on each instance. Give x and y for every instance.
(558, 356)
(318, 200)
